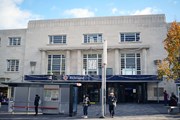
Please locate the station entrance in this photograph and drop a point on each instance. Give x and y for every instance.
(131, 92)
(125, 92)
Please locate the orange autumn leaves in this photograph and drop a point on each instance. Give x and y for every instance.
(170, 66)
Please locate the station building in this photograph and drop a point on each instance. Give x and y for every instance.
(71, 51)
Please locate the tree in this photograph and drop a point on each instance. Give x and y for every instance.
(170, 66)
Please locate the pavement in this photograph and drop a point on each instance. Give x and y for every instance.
(122, 112)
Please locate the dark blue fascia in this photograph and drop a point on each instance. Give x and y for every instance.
(92, 78)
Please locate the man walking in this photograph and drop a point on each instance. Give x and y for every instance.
(166, 96)
(36, 104)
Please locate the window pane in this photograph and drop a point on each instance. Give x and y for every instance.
(130, 63)
(130, 55)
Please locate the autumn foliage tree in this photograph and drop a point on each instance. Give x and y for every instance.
(170, 66)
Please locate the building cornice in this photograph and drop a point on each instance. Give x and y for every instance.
(100, 47)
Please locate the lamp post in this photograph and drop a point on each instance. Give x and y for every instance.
(103, 86)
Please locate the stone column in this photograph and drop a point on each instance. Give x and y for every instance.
(144, 51)
(79, 62)
(116, 62)
(68, 62)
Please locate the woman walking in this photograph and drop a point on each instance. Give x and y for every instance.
(86, 103)
(112, 103)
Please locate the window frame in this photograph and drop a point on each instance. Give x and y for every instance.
(98, 58)
(62, 39)
(14, 41)
(53, 64)
(136, 70)
(92, 38)
(13, 65)
(129, 37)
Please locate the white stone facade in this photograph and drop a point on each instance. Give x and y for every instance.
(35, 44)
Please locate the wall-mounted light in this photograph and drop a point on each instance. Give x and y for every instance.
(32, 65)
(156, 62)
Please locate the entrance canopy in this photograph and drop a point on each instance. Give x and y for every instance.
(34, 84)
(92, 78)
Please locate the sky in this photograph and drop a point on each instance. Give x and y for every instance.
(15, 14)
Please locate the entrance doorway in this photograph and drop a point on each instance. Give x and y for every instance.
(132, 92)
(4, 95)
(92, 89)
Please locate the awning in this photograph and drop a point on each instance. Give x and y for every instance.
(34, 84)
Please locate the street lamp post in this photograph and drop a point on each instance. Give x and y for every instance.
(103, 86)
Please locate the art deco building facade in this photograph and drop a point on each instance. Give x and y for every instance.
(73, 48)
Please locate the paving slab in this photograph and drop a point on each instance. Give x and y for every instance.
(122, 112)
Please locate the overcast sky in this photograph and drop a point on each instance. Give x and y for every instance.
(15, 14)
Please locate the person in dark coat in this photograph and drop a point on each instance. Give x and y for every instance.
(173, 100)
(1, 97)
(36, 103)
(86, 103)
(112, 103)
(166, 96)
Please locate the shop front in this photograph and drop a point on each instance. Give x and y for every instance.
(127, 88)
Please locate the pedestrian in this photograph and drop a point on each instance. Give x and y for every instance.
(112, 103)
(173, 101)
(86, 104)
(166, 96)
(1, 98)
(36, 103)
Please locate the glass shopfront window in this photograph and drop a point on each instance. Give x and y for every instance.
(51, 93)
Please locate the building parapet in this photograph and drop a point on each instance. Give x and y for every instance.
(112, 20)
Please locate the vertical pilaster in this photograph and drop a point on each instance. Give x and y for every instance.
(116, 61)
(43, 62)
(68, 63)
(144, 61)
(79, 62)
